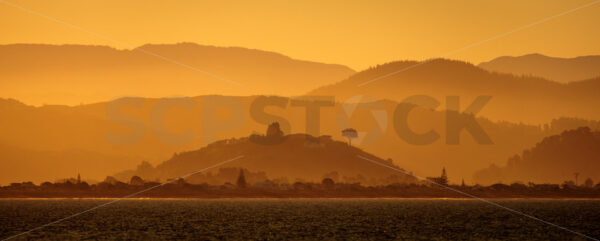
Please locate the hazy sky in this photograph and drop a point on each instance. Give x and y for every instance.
(355, 33)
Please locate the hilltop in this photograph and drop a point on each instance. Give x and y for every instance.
(562, 70)
(296, 157)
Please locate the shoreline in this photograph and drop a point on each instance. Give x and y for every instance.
(299, 198)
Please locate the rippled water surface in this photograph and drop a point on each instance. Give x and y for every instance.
(300, 219)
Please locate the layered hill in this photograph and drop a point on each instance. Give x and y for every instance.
(514, 98)
(154, 129)
(553, 160)
(74, 74)
(562, 70)
(297, 157)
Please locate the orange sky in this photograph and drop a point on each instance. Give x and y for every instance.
(355, 33)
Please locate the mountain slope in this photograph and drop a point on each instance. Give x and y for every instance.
(87, 127)
(553, 160)
(72, 74)
(563, 70)
(517, 99)
(291, 157)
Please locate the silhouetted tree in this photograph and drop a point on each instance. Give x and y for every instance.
(334, 175)
(327, 182)
(274, 131)
(136, 181)
(241, 181)
(349, 133)
(442, 180)
(444, 177)
(181, 182)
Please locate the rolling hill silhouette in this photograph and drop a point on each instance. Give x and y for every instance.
(553, 160)
(514, 98)
(72, 74)
(87, 127)
(296, 157)
(563, 70)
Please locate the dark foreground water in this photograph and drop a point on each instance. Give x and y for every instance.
(300, 219)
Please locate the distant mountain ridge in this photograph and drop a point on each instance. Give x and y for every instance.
(527, 99)
(72, 74)
(562, 70)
